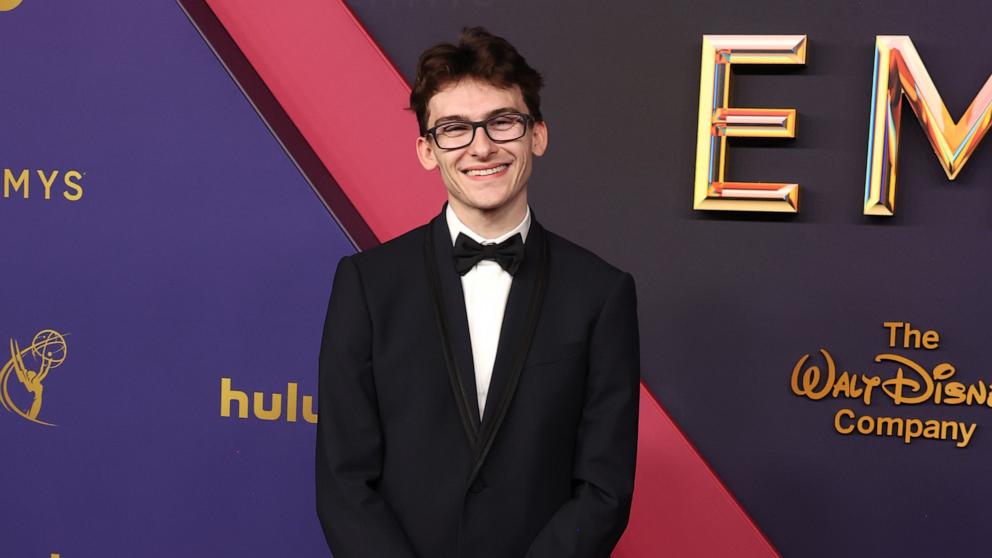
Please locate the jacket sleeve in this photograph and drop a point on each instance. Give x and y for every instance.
(356, 520)
(590, 523)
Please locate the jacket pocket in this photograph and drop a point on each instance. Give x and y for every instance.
(547, 354)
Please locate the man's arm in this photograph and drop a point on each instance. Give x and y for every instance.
(591, 522)
(357, 522)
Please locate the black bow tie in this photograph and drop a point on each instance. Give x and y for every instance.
(509, 254)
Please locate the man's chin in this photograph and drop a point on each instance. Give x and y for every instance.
(487, 206)
(485, 203)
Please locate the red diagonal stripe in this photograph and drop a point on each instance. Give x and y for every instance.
(347, 101)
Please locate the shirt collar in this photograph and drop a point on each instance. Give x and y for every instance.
(455, 226)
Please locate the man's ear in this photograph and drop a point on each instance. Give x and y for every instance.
(540, 143)
(425, 152)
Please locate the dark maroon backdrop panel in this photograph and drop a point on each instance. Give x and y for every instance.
(729, 302)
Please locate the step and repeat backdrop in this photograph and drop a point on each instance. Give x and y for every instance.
(799, 189)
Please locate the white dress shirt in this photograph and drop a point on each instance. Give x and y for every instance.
(486, 287)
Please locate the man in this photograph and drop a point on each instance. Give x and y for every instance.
(478, 375)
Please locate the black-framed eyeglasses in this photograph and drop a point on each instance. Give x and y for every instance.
(501, 128)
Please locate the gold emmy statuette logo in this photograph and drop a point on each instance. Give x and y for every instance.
(46, 351)
(7, 5)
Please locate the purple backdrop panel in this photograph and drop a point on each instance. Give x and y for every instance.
(194, 251)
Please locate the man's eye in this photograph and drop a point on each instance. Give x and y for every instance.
(504, 122)
(455, 129)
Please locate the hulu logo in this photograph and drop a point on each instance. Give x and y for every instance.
(266, 406)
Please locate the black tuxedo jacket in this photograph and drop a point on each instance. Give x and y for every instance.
(406, 469)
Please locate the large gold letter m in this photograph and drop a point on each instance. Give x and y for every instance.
(900, 72)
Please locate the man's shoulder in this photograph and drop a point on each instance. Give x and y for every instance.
(402, 250)
(573, 258)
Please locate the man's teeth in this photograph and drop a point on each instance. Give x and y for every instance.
(485, 172)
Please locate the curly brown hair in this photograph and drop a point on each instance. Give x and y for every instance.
(480, 55)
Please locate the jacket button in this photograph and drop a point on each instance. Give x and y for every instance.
(478, 486)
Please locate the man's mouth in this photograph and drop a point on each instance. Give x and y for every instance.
(488, 171)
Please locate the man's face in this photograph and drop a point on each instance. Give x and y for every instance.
(468, 172)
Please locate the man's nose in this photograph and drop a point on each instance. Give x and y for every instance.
(481, 145)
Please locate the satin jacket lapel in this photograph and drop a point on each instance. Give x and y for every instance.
(523, 307)
(456, 333)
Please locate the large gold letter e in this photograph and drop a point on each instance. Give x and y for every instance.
(718, 121)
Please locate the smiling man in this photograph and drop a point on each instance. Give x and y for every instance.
(478, 375)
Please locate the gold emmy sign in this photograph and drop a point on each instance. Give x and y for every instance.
(17, 183)
(899, 74)
(30, 366)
